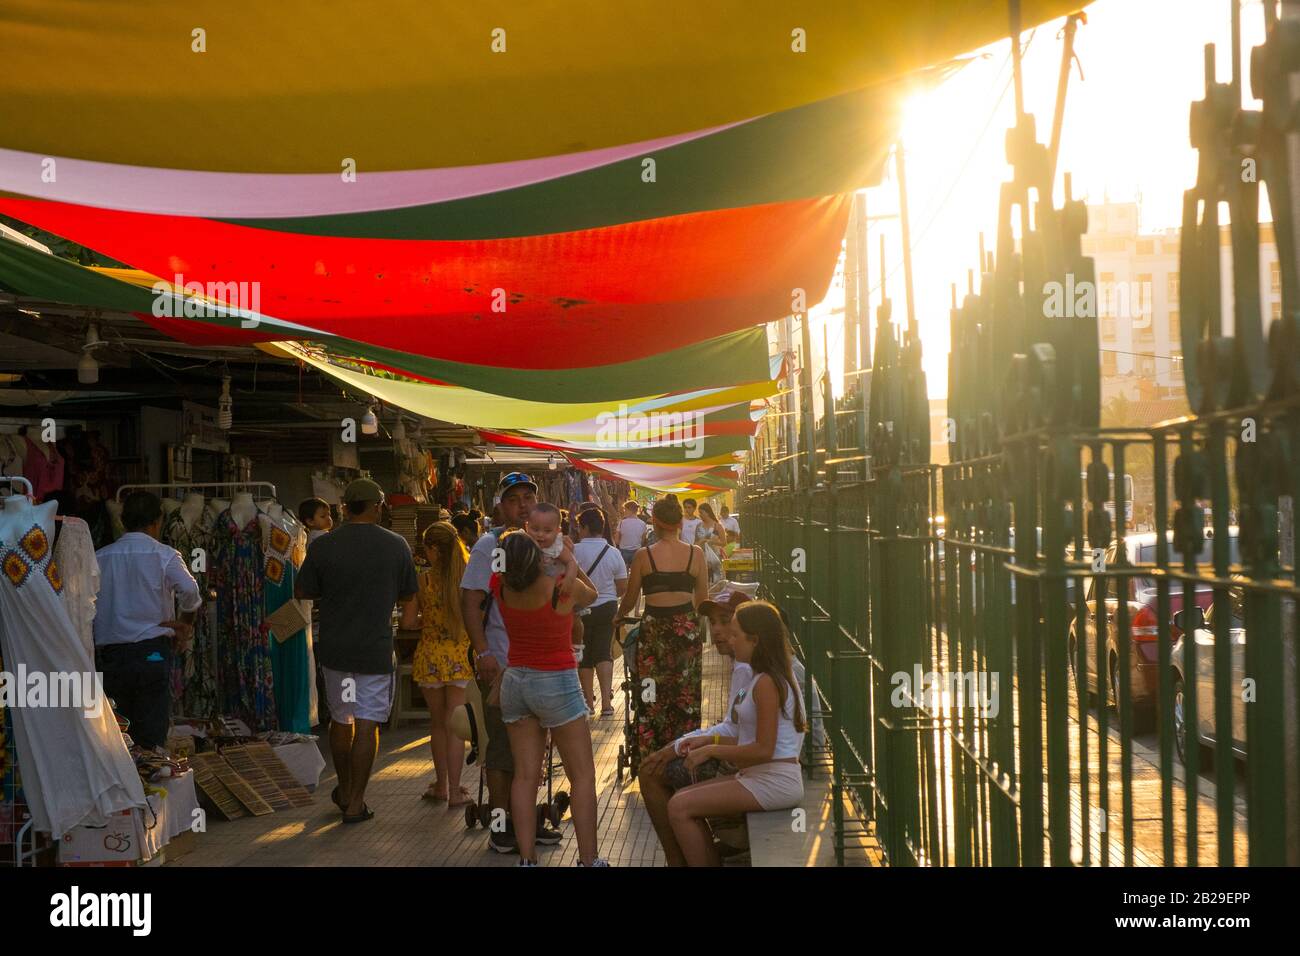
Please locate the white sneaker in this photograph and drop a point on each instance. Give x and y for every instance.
(523, 862)
(599, 861)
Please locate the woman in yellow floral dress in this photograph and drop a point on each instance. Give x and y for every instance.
(441, 667)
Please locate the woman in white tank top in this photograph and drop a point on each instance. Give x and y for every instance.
(769, 715)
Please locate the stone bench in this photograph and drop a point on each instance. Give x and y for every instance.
(774, 841)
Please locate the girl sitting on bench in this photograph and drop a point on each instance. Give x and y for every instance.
(769, 715)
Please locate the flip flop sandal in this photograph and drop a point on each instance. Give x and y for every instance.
(432, 795)
(362, 817)
(607, 712)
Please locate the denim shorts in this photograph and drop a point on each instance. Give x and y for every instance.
(553, 697)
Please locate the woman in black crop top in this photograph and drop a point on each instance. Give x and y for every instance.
(673, 576)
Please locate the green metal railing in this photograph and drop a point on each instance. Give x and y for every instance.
(998, 656)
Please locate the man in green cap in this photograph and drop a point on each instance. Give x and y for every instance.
(356, 574)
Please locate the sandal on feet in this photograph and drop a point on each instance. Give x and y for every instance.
(464, 799)
(431, 793)
(365, 814)
(334, 797)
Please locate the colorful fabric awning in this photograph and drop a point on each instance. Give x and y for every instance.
(299, 86)
(488, 411)
(737, 358)
(637, 288)
(828, 147)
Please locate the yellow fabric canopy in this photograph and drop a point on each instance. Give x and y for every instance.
(476, 409)
(304, 85)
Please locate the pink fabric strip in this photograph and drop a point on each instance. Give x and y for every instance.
(181, 192)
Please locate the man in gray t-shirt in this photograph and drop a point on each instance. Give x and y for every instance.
(356, 574)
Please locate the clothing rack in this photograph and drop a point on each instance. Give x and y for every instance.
(179, 485)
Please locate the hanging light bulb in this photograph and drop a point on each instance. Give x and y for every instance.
(87, 369)
(225, 406)
(369, 422)
(399, 431)
(87, 365)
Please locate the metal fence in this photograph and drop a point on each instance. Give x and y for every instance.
(1009, 673)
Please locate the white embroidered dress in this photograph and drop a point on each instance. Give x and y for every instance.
(74, 764)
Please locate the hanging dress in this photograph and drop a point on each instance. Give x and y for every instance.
(243, 640)
(290, 659)
(75, 765)
(196, 672)
(74, 552)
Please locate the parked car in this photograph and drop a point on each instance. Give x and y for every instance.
(1202, 627)
(1144, 676)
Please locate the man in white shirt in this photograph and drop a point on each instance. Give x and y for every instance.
(690, 520)
(730, 523)
(142, 583)
(630, 534)
(608, 575)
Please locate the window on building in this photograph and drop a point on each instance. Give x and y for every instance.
(1175, 327)
(1108, 328)
(1105, 296)
(1141, 295)
(1107, 363)
(1277, 308)
(1275, 277)
(1146, 247)
(1173, 287)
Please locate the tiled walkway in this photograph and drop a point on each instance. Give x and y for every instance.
(409, 831)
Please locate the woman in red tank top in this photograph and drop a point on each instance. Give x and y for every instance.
(540, 690)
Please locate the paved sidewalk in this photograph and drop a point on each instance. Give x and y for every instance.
(410, 831)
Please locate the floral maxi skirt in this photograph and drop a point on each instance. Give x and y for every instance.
(668, 653)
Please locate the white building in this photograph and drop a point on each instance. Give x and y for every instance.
(1138, 298)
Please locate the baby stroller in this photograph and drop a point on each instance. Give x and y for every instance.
(629, 753)
(473, 728)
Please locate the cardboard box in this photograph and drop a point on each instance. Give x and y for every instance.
(114, 843)
(181, 745)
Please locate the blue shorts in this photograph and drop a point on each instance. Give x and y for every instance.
(629, 554)
(553, 697)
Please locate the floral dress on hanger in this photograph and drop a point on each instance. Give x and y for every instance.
(244, 642)
(196, 681)
(290, 662)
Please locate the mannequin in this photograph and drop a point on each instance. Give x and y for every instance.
(243, 508)
(191, 508)
(169, 505)
(273, 508)
(218, 505)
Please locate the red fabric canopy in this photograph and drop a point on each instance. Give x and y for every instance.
(618, 293)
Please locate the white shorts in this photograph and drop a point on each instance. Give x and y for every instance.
(776, 786)
(358, 696)
(436, 684)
